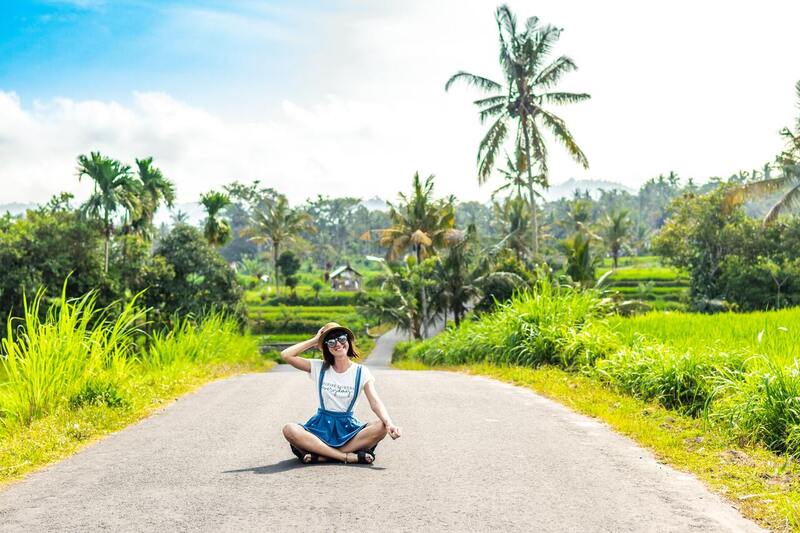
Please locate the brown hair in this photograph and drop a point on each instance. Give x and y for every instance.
(351, 347)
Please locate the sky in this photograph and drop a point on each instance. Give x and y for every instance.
(346, 97)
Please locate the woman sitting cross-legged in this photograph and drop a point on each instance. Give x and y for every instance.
(334, 433)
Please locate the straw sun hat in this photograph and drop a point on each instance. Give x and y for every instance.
(330, 326)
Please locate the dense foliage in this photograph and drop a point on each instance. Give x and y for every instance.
(732, 256)
(735, 384)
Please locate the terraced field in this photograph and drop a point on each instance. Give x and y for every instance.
(644, 278)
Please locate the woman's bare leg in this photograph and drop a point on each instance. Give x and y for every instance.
(308, 442)
(366, 438)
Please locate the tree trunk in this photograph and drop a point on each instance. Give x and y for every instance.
(107, 231)
(424, 297)
(105, 268)
(275, 265)
(534, 220)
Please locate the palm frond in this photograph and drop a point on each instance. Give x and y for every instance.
(491, 101)
(532, 25)
(564, 98)
(790, 200)
(563, 135)
(487, 150)
(506, 20)
(471, 79)
(602, 280)
(490, 112)
(539, 149)
(541, 43)
(420, 238)
(552, 73)
(797, 93)
(757, 189)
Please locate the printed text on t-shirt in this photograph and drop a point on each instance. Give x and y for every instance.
(339, 391)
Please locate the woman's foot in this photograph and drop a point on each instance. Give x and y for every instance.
(360, 457)
(309, 458)
(365, 457)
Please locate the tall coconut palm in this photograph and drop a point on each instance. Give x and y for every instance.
(154, 188)
(421, 223)
(114, 189)
(521, 103)
(616, 228)
(276, 223)
(789, 164)
(216, 230)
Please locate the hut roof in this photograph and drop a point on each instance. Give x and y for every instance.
(344, 268)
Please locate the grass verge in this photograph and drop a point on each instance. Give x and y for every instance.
(764, 486)
(60, 434)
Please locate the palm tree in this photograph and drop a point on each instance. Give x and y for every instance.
(180, 217)
(114, 188)
(216, 230)
(615, 230)
(581, 264)
(154, 188)
(462, 273)
(521, 102)
(421, 223)
(789, 163)
(514, 216)
(400, 284)
(276, 223)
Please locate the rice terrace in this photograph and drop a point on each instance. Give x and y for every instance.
(401, 266)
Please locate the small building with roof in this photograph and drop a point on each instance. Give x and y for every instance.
(345, 278)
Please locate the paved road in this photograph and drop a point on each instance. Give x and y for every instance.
(476, 455)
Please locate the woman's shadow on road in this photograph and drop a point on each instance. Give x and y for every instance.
(292, 464)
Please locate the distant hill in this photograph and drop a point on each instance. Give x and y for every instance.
(566, 189)
(16, 208)
(375, 204)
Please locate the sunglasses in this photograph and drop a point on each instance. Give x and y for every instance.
(341, 339)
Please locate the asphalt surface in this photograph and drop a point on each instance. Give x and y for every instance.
(475, 455)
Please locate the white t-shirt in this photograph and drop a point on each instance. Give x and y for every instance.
(337, 389)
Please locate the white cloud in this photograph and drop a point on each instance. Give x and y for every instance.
(328, 148)
(676, 88)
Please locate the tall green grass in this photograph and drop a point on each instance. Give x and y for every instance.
(74, 353)
(739, 371)
(48, 360)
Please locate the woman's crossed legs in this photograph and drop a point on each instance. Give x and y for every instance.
(307, 442)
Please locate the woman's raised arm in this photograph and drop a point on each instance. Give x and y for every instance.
(292, 354)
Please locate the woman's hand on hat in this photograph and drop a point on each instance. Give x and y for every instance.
(393, 431)
(318, 336)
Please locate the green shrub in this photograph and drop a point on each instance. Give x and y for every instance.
(684, 381)
(551, 324)
(764, 406)
(188, 277)
(401, 349)
(325, 299)
(97, 392)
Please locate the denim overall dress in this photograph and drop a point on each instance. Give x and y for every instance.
(335, 428)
